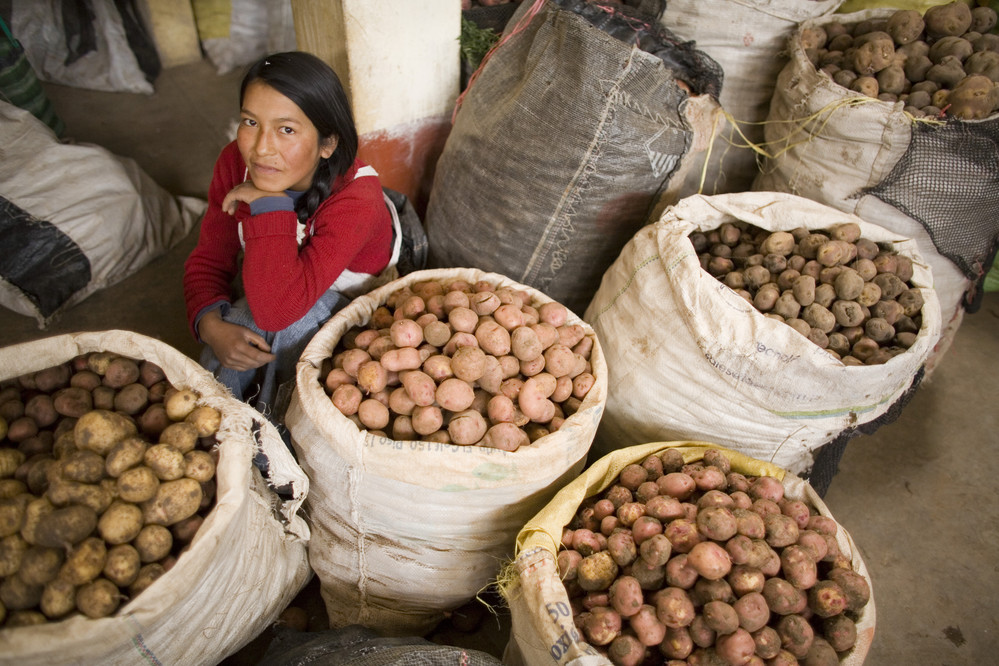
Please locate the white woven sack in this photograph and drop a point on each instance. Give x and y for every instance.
(542, 630)
(403, 531)
(748, 38)
(844, 150)
(691, 359)
(110, 217)
(244, 566)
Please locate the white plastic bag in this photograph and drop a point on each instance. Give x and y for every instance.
(244, 566)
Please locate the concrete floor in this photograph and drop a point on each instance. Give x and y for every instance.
(918, 496)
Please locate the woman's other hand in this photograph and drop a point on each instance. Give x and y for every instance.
(236, 347)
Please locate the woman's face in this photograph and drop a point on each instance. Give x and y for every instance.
(278, 142)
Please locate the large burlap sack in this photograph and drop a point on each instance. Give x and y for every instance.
(689, 358)
(542, 630)
(75, 218)
(561, 149)
(748, 38)
(404, 530)
(936, 183)
(244, 566)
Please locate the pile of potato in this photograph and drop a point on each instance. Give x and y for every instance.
(460, 363)
(941, 63)
(696, 564)
(847, 294)
(106, 474)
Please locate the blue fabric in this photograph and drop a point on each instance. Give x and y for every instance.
(268, 388)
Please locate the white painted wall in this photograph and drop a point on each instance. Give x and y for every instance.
(398, 58)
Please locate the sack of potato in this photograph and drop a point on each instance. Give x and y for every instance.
(774, 372)
(135, 523)
(750, 46)
(433, 415)
(584, 85)
(893, 116)
(687, 551)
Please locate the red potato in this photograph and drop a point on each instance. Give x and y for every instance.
(735, 648)
(679, 573)
(400, 359)
(454, 394)
(676, 643)
(664, 508)
(625, 650)
(467, 427)
(626, 596)
(420, 386)
(720, 617)
(622, 547)
(674, 607)
(645, 527)
(601, 625)
(798, 567)
(554, 314)
(505, 436)
(647, 627)
(710, 560)
(683, 534)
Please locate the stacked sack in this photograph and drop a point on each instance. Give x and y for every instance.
(850, 127)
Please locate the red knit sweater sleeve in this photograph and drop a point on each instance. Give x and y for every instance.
(352, 230)
(212, 265)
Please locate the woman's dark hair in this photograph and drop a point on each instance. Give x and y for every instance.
(313, 85)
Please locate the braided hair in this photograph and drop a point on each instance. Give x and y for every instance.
(313, 85)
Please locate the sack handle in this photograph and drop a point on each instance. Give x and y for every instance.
(6, 31)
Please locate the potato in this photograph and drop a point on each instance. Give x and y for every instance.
(373, 414)
(174, 501)
(99, 430)
(40, 564)
(710, 560)
(137, 484)
(72, 401)
(505, 436)
(121, 565)
(673, 607)
(840, 631)
(166, 461)
(467, 427)
(120, 523)
(83, 467)
(854, 585)
(182, 436)
(58, 598)
(99, 598)
(65, 526)
(40, 408)
(905, 26)
(205, 419)
(181, 403)
(120, 371)
(153, 543)
(17, 595)
(953, 18)
(148, 574)
(796, 634)
(199, 465)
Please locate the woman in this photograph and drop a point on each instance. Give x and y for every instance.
(296, 216)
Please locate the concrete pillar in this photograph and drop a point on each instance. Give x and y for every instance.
(399, 61)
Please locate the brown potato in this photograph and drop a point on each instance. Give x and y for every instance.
(122, 564)
(166, 461)
(58, 598)
(137, 484)
(148, 574)
(120, 523)
(182, 436)
(174, 501)
(153, 543)
(99, 598)
(73, 401)
(99, 430)
(199, 465)
(181, 403)
(65, 526)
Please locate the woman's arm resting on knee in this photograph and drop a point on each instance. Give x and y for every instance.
(236, 347)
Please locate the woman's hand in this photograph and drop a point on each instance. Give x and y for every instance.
(246, 192)
(236, 347)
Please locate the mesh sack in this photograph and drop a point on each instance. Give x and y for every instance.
(948, 180)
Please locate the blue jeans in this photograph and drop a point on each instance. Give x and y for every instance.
(268, 388)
